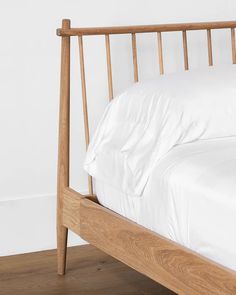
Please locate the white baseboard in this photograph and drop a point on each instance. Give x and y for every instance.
(29, 225)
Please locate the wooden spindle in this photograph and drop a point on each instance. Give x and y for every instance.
(160, 53)
(209, 44)
(135, 60)
(233, 45)
(109, 68)
(185, 47)
(85, 107)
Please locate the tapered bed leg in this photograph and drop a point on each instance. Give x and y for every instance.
(62, 233)
(63, 149)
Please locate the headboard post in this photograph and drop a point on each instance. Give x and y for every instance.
(63, 145)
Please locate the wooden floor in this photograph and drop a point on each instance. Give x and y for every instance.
(89, 271)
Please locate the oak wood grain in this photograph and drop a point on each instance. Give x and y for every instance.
(160, 53)
(209, 45)
(233, 45)
(146, 28)
(185, 47)
(179, 269)
(109, 68)
(135, 58)
(71, 209)
(63, 147)
(85, 107)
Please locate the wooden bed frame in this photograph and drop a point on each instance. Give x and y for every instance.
(166, 262)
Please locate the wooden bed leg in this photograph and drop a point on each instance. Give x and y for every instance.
(62, 233)
(63, 149)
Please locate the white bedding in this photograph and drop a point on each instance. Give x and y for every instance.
(145, 122)
(190, 198)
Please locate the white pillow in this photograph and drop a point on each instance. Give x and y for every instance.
(145, 122)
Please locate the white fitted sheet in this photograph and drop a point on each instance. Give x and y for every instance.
(190, 198)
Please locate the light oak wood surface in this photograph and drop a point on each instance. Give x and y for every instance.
(179, 269)
(89, 272)
(146, 28)
(209, 45)
(109, 68)
(185, 46)
(233, 45)
(135, 58)
(85, 105)
(160, 53)
(63, 147)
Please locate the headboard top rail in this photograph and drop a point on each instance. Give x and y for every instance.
(146, 28)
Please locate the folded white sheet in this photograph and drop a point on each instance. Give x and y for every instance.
(144, 123)
(190, 198)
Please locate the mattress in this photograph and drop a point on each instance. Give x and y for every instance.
(190, 198)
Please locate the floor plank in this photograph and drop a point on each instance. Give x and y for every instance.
(89, 271)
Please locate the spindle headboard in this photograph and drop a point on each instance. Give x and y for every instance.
(66, 32)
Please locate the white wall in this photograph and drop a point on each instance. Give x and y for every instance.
(29, 88)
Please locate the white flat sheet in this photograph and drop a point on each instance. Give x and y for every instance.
(190, 198)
